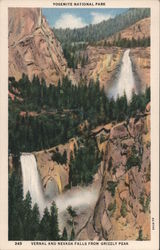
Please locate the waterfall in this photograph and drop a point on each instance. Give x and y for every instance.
(77, 197)
(125, 82)
(32, 181)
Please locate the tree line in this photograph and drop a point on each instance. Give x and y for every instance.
(129, 43)
(102, 30)
(68, 106)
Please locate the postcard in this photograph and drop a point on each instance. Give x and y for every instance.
(79, 124)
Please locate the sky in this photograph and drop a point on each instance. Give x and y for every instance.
(78, 18)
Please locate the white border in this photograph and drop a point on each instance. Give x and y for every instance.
(154, 5)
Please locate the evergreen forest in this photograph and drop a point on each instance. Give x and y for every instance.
(41, 117)
(25, 222)
(94, 33)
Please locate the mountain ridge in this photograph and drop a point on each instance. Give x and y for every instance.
(102, 30)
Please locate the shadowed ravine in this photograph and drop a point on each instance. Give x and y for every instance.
(125, 82)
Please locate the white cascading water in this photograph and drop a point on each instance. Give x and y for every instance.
(125, 82)
(32, 181)
(79, 198)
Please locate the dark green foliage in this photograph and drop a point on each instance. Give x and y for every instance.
(127, 43)
(124, 208)
(73, 54)
(54, 230)
(111, 187)
(27, 221)
(48, 227)
(64, 234)
(133, 160)
(71, 222)
(24, 221)
(85, 163)
(145, 202)
(138, 102)
(15, 208)
(140, 235)
(59, 111)
(35, 221)
(94, 33)
(44, 227)
(71, 212)
(72, 237)
(61, 159)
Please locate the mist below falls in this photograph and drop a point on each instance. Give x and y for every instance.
(125, 82)
(78, 197)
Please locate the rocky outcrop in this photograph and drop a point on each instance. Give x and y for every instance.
(50, 169)
(141, 65)
(140, 56)
(123, 206)
(102, 64)
(33, 48)
(139, 30)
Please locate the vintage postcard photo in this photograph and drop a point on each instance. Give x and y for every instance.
(81, 112)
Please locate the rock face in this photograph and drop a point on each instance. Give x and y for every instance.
(140, 56)
(123, 206)
(102, 64)
(51, 170)
(141, 65)
(33, 48)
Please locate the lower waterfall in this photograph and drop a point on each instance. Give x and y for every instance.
(80, 198)
(32, 181)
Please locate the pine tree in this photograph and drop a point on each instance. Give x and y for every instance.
(15, 225)
(54, 230)
(72, 237)
(72, 213)
(35, 221)
(64, 235)
(27, 222)
(44, 228)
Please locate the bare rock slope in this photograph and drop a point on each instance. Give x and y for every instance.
(33, 48)
(139, 30)
(122, 211)
(102, 64)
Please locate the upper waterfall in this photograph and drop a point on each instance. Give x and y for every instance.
(31, 181)
(125, 82)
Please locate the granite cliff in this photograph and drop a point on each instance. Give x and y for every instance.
(124, 197)
(33, 48)
(121, 186)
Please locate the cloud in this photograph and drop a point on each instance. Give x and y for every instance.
(69, 21)
(99, 17)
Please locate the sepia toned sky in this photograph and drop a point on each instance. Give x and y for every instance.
(78, 18)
